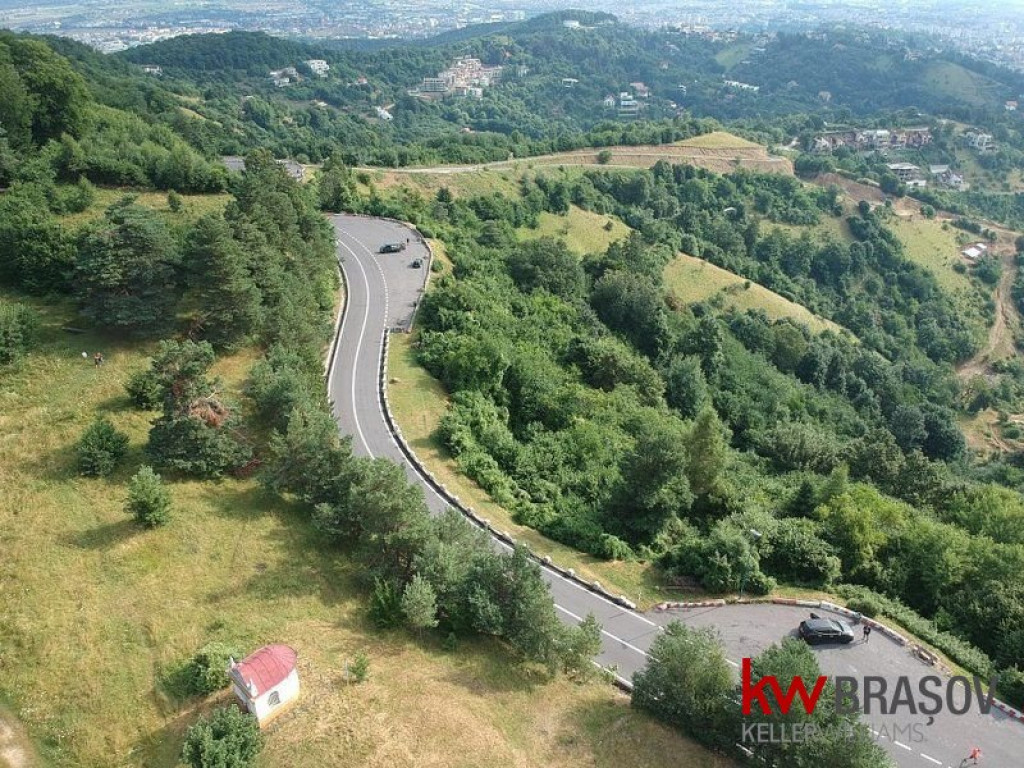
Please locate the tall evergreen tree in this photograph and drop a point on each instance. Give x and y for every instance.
(228, 299)
(125, 273)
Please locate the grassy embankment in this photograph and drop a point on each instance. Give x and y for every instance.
(691, 280)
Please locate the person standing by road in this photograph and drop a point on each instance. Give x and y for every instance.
(867, 632)
(975, 755)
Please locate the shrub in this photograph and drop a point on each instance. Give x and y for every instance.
(174, 201)
(359, 669)
(18, 326)
(206, 672)
(148, 500)
(1011, 686)
(386, 604)
(865, 605)
(604, 156)
(614, 548)
(144, 389)
(100, 449)
(229, 738)
(958, 649)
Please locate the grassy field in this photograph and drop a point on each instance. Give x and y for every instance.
(718, 140)
(94, 613)
(583, 231)
(961, 84)
(463, 184)
(935, 248)
(732, 55)
(827, 228)
(193, 206)
(691, 279)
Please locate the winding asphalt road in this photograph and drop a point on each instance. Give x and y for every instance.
(382, 291)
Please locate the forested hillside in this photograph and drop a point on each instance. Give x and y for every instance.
(553, 89)
(614, 420)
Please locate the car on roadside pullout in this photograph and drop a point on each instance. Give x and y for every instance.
(818, 630)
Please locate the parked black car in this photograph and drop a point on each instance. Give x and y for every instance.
(815, 631)
(417, 263)
(392, 248)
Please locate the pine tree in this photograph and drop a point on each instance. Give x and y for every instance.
(228, 298)
(419, 604)
(707, 451)
(148, 500)
(101, 448)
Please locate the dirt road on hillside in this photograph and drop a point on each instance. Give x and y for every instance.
(1000, 342)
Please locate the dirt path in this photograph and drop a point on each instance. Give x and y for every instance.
(15, 750)
(1000, 342)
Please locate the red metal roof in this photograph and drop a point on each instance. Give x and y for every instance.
(266, 667)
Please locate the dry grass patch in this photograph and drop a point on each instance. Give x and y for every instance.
(691, 280)
(718, 140)
(583, 231)
(193, 206)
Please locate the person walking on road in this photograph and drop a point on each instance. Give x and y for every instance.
(975, 755)
(867, 632)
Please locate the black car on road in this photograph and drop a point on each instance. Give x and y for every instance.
(392, 248)
(819, 630)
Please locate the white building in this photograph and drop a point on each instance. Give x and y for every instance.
(736, 85)
(383, 114)
(318, 67)
(266, 681)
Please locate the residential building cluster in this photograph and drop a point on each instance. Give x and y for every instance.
(879, 140)
(290, 75)
(913, 176)
(466, 77)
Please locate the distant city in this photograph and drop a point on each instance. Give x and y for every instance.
(989, 29)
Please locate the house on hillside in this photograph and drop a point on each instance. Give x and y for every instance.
(982, 142)
(905, 172)
(974, 251)
(266, 681)
(318, 67)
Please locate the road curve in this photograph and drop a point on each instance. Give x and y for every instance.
(382, 292)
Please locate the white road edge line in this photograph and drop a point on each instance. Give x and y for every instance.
(931, 759)
(901, 744)
(359, 346)
(606, 633)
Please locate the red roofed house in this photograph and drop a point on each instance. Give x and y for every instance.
(266, 681)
